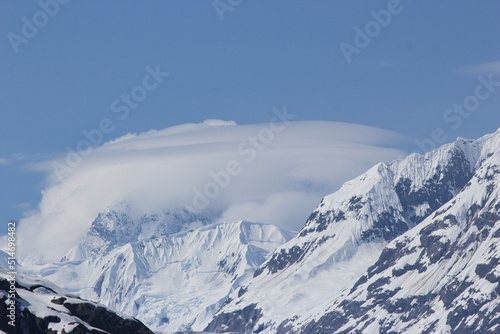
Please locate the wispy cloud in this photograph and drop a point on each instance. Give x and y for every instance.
(25, 160)
(483, 68)
(23, 206)
(160, 169)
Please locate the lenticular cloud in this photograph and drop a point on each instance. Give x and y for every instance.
(274, 173)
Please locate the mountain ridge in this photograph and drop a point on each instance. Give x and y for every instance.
(175, 281)
(374, 208)
(119, 224)
(441, 276)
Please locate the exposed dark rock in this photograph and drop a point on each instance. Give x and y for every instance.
(382, 296)
(320, 221)
(362, 280)
(58, 301)
(451, 291)
(355, 203)
(487, 219)
(408, 267)
(329, 323)
(283, 259)
(431, 328)
(411, 307)
(324, 239)
(98, 285)
(86, 313)
(259, 271)
(436, 191)
(386, 227)
(228, 268)
(378, 283)
(102, 318)
(240, 321)
(496, 234)
(458, 315)
(492, 278)
(242, 291)
(483, 269)
(388, 258)
(285, 327)
(436, 248)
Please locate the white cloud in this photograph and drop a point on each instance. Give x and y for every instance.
(3, 161)
(289, 208)
(160, 169)
(219, 122)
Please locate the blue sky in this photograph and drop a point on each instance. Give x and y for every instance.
(262, 55)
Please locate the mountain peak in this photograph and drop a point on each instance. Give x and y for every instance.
(346, 234)
(441, 276)
(119, 224)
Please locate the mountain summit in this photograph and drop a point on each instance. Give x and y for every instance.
(410, 246)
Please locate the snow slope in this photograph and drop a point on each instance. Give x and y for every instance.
(346, 234)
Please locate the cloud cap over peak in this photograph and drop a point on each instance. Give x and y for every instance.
(275, 173)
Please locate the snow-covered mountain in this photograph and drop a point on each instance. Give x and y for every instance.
(42, 307)
(170, 281)
(442, 276)
(406, 247)
(347, 235)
